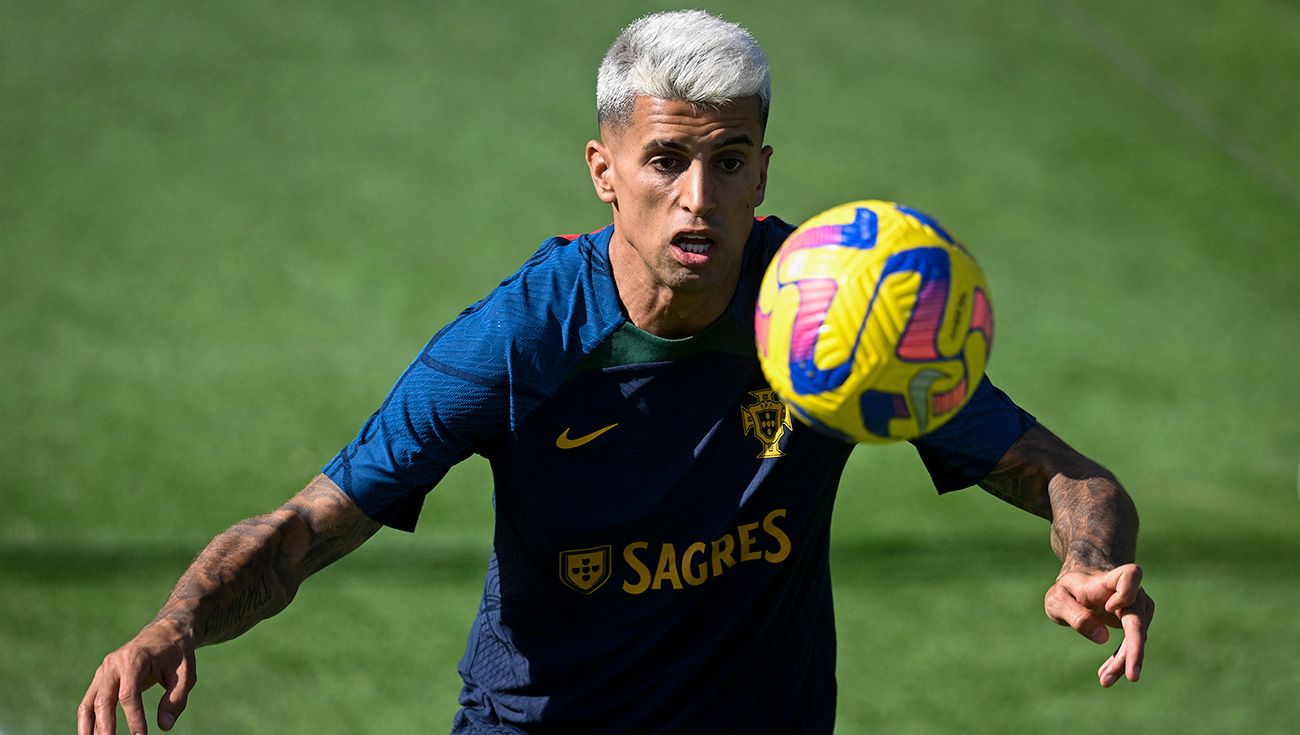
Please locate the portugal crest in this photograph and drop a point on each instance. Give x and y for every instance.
(585, 570)
(767, 419)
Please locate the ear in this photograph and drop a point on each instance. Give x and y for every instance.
(765, 155)
(602, 175)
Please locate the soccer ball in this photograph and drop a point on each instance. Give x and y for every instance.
(873, 323)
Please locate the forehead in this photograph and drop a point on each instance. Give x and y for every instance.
(654, 118)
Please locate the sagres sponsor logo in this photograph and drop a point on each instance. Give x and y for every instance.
(767, 419)
(645, 566)
(699, 561)
(585, 570)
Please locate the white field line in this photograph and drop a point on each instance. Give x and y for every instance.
(1131, 63)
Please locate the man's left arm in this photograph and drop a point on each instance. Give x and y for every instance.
(1094, 532)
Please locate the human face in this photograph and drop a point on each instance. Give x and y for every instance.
(684, 181)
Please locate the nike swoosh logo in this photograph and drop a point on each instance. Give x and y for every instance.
(564, 442)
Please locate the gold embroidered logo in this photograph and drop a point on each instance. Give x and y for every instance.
(564, 442)
(585, 570)
(767, 419)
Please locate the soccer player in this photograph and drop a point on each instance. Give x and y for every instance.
(657, 566)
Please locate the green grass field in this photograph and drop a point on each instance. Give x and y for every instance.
(225, 229)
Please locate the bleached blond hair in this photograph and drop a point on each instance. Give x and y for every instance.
(683, 55)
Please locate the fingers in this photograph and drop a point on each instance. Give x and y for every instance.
(1091, 601)
(132, 706)
(1127, 660)
(106, 709)
(97, 713)
(1091, 590)
(1136, 620)
(1124, 661)
(1126, 581)
(1062, 607)
(178, 684)
(86, 713)
(156, 654)
(1111, 668)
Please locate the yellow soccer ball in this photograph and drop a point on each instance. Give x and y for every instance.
(873, 323)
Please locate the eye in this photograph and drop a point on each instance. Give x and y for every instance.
(731, 164)
(665, 164)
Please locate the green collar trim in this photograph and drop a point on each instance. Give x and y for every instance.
(630, 345)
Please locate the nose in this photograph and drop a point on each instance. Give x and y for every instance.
(696, 194)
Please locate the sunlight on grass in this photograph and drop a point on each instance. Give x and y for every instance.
(228, 229)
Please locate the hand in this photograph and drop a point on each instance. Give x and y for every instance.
(161, 653)
(1091, 600)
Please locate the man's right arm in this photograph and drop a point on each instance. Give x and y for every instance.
(246, 574)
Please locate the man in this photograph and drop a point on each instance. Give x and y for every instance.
(654, 569)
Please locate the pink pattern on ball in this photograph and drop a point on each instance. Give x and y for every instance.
(815, 297)
(919, 341)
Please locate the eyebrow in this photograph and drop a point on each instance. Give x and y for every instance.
(676, 146)
(736, 140)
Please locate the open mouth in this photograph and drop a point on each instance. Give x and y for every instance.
(694, 246)
(697, 245)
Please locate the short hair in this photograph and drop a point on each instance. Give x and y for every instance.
(686, 55)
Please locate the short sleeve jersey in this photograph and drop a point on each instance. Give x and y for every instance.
(660, 557)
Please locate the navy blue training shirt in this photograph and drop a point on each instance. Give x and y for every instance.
(660, 555)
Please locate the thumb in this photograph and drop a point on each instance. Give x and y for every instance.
(178, 684)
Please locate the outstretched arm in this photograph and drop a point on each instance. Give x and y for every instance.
(247, 574)
(1094, 532)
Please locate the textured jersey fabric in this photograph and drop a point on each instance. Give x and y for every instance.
(660, 552)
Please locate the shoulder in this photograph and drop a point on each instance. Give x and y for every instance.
(770, 231)
(565, 271)
(764, 240)
(546, 315)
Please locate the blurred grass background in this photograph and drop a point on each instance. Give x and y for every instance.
(225, 229)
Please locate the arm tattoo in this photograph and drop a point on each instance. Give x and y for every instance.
(337, 526)
(1094, 522)
(253, 570)
(1019, 482)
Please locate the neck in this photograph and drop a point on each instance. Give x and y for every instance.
(661, 309)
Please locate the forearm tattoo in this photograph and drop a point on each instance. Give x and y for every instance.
(253, 570)
(1094, 522)
(1020, 483)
